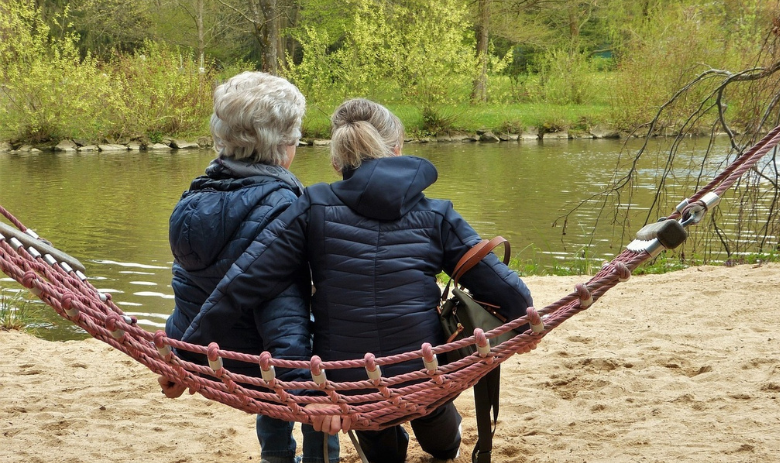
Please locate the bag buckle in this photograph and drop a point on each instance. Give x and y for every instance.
(457, 332)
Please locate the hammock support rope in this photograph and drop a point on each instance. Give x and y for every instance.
(375, 402)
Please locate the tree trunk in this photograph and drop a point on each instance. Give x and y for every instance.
(479, 90)
(270, 36)
(574, 22)
(201, 32)
(291, 45)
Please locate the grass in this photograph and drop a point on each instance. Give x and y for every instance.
(470, 118)
(15, 313)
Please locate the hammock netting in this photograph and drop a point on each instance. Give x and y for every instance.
(371, 404)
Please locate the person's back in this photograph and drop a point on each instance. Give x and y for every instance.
(375, 244)
(256, 127)
(375, 256)
(210, 227)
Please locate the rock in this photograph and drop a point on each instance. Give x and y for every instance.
(508, 137)
(205, 142)
(134, 146)
(562, 135)
(184, 145)
(88, 148)
(320, 142)
(529, 133)
(579, 134)
(5, 146)
(600, 131)
(112, 147)
(462, 138)
(158, 147)
(66, 145)
(489, 137)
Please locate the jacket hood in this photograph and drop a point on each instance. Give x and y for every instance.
(209, 215)
(386, 188)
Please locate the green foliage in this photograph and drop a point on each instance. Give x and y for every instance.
(15, 313)
(108, 25)
(315, 74)
(161, 89)
(419, 50)
(671, 45)
(432, 51)
(567, 76)
(437, 121)
(47, 89)
(49, 92)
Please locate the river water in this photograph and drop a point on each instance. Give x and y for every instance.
(110, 210)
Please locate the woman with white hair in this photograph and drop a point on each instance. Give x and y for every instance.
(256, 126)
(375, 244)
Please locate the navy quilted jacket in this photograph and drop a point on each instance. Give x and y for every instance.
(375, 244)
(210, 227)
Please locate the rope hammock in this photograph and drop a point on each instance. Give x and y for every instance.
(59, 281)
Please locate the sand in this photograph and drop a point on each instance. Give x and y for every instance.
(677, 367)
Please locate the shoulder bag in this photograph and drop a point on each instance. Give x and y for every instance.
(459, 315)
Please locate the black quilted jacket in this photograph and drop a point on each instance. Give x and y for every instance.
(210, 227)
(375, 244)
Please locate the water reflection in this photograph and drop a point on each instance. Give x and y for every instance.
(111, 210)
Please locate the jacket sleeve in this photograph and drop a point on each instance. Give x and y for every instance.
(263, 271)
(283, 324)
(490, 280)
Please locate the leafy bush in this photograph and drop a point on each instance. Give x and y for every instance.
(671, 47)
(567, 76)
(161, 89)
(47, 90)
(421, 53)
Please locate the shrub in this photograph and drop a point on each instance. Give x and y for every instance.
(47, 89)
(161, 89)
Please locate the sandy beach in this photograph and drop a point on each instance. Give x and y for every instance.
(681, 367)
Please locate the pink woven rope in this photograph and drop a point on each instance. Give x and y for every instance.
(381, 402)
(371, 404)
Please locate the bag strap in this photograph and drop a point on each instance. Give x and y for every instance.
(472, 257)
(488, 389)
(486, 395)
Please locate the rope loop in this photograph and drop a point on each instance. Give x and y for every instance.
(429, 358)
(111, 325)
(583, 292)
(483, 346)
(212, 353)
(163, 349)
(317, 372)
(372, 369)
(28, 278)
(267, 371)
(537, 325)
(623, 272)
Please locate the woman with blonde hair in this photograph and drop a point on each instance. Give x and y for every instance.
(375, 244)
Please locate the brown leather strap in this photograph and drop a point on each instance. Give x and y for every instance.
(473, 256)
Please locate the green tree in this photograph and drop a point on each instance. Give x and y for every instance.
(46, 88)
(422, 50)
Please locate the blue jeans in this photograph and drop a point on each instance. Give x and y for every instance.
(277, 444)
(313, 446)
